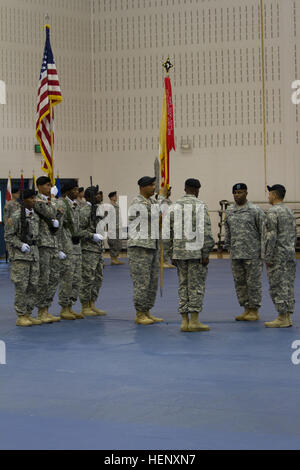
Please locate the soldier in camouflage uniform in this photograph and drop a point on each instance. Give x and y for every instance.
(191, 243)
(70, 245)
(92, 253)
(143, 253)
(243, 230)
(166, 203)
(50, 217)
(115, 244)
(12, 205)
(279, 245)
(21, 234)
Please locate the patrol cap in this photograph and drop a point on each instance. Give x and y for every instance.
(192, 183)
(27, 193)
(15, 189)
(239, 186)
(43, 180)
(146, 181)
(112, 194)
(91, 189)
(277, 187)
(69, 185)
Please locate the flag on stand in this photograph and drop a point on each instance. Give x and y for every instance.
(57, 184)
(21, 182)
(8, 190)
(166, 140)
(49, 94)
(34, 187)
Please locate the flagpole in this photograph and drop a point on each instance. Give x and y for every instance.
(263, 91)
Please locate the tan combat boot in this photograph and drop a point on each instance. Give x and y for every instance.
(23, 320)
(185, 322)
(34, 321)
(142, 319)
(115, 261)
(86, 310)
(97, 310)
(282, 321)
(153, 318)
(242, 316)
(78, 316)
(42, 315)
(290, 318)
(52, 317)
(195, 324)
(168, 265)
(252, 315)
(65, 314)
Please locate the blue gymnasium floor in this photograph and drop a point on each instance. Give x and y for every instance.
(105, 383)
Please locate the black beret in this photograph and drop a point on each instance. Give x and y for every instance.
(15, 189)
(192, 183)
(113, 193)
(28, 193)
(69, 185)
(146, 181)
(92, 189)
(277, 187)
(80, 190)
(43, 180)
(239, 186)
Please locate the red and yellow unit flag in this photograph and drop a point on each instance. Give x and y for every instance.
(166, 140)
(49, 94)
(8, 196)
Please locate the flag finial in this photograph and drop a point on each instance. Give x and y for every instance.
(167, 65)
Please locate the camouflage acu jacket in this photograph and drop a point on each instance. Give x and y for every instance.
(191, 236)
(139, 230)
(47, 211)
(87, 231)
(9, 208)
(243, 230)
(67, 229)
(13, 237)
(279, 235)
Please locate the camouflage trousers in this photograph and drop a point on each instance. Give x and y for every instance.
(167, 250)
(25, 276)
(115, 246)
(281, 280)
(191, 277)
(49, 276)
(77, 276)
(247, 280)
(144, 271)
(92, 276)
(70, 278)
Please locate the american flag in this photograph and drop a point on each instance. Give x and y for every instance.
(49, 94)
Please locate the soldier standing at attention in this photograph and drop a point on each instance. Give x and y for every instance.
(191, 255)
(49, 223)
(12, 205)
(115, 244)
(243, 231)
(166, 203)
(21, 234)
(143, 253)
(70, 245)
(80, 200)
(92, 253)
(279, 241)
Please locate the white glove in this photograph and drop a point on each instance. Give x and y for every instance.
(97, 237)
(55, 223)
(54, 191)
(25, 248)
(62, 255)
